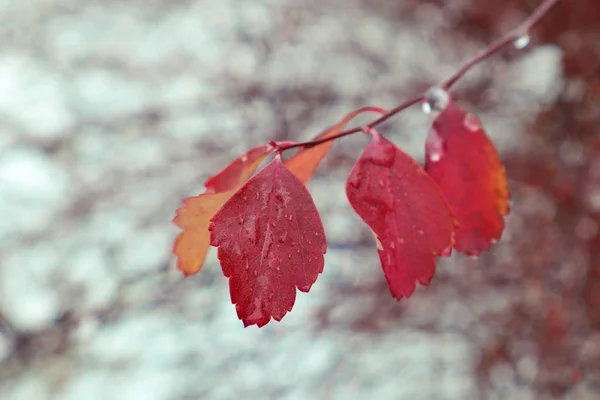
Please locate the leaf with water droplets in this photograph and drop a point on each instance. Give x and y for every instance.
(463, 161)
(191, 246)
(405, 210)
(269, 247)
(304, 164)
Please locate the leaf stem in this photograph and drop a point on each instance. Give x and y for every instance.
(522, 30)
(312, 143)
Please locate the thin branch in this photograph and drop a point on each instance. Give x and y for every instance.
(521, 31)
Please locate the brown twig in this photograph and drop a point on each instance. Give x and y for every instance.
(521, 32)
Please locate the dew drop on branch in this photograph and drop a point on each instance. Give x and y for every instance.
(435, 99)
(426, 107)
(522, 41)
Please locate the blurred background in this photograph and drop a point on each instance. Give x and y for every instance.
(111, 112)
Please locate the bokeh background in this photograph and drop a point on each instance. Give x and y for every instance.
(111, 112)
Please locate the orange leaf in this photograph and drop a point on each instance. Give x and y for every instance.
(304, 164)
(191, 246)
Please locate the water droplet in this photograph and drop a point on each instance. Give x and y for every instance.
(245, 198)
(434, 146)
(381, 183)
(493, 241)
(257, 195)
(290, 218)
(421, 232)
(392, 245)
(435, 99)
(255, 273)
(522, 41)
(426, 107)
(247, 266)
(244, 158)
(401, 241)
(283, 237)
(472, 123)
(251, 229)
(278, 268)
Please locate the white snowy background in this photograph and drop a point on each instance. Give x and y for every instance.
(111, 112)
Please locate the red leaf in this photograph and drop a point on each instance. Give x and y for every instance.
(237, 171)
(191, 246)
(271, 241)
(405, 209)
(464, 163)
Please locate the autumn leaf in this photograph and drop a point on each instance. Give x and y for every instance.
(191, 246)
(405, 210)
(466, 166)
(270, 241)
(237, 172)
(304, 164)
